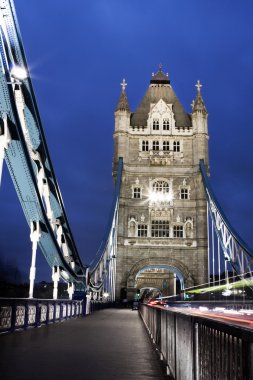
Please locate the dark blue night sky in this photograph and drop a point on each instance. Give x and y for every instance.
(80, 51)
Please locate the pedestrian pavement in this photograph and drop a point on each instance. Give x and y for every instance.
(111, 344)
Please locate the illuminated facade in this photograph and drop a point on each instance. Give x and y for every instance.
(162, 211)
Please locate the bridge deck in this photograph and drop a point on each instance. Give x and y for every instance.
(110, 344)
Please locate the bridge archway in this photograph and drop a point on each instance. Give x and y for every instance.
(167, 263)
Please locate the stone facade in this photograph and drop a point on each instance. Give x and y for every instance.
(162, 209)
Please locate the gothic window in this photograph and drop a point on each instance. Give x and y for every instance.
(161, 187)
(184, 193)
(176, 146)
(178, 231)
(166, 124)
(166, 146)
(142, 230)
(155, 145)
(145, 146)
(155, 124)
(160, 228)
(137, 192)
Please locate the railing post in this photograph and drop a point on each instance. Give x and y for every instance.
(196, 350)
(38, 314)
(47, 314)
(84, 305)
(54, 313)
(13, 316)
(250, 361)
(70, 310)
(26, 319)
(61, 309)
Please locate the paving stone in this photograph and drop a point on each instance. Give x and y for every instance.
(110, 344)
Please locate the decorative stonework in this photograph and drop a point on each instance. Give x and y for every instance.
(184, 186)
(161, 111)
(163, 261)
(159, 141)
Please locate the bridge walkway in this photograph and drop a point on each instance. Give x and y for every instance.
(110, 344)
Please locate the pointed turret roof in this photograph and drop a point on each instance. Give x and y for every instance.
(198, 103)
(160, 88)
(123, 102)
(160, 77)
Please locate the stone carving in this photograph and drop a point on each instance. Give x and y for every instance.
(132, 227)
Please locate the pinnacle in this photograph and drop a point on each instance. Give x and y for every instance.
(123, 103)
(198, 103)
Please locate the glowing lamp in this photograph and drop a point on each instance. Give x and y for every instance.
(160, 197)
(153, 197)
(18, 72)
(168, 197)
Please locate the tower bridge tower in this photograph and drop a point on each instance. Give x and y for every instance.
(162, 221)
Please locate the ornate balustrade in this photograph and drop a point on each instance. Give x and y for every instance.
(198, 348)
(24, 313)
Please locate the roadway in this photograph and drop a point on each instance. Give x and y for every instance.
(110, 344)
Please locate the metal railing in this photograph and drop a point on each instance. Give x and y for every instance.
(198, 348)
(16, 314)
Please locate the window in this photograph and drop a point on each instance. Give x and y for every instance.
(166, 124)
(160, 228)
(176, 146)
(142, 230)
(145, 146)
(161, 187)
(156, 125)
(184, 193)
(137, 192)
(166, 146)
(155, 145)
(178, 231)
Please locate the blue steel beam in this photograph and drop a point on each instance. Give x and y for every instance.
(235, 250)
(103, 267)
(27, 155)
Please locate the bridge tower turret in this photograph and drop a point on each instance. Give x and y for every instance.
(200, 127)
(162, 209)
(122, 123)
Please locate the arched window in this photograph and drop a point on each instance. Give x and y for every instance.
(161, 187)
(166, 124)
(155, 124)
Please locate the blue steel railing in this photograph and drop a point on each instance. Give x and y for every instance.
(21, 314)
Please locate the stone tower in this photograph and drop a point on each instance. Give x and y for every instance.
(162, 209)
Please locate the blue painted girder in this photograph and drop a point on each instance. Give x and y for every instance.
(27, 154)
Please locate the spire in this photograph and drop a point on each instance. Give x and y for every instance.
(160, 77)
(123, 102)
(198, 103)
